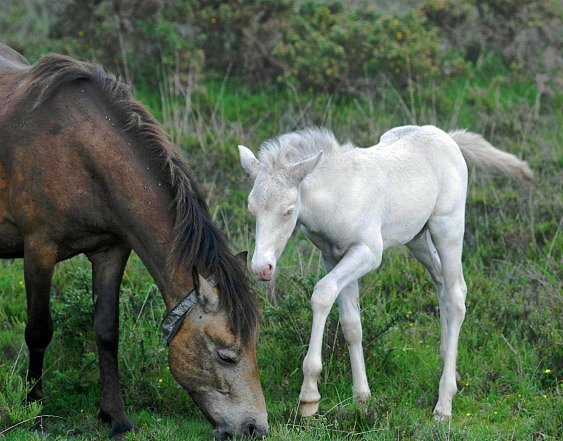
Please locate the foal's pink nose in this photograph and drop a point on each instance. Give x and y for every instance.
(265, 272)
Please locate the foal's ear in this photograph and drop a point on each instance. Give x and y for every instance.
(301, 169)
(248, 161)
(242, 258)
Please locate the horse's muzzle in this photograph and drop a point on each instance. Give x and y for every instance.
(248, 429)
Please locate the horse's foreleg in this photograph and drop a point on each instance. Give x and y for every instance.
(107, 272)
(357, 261)
(447, 235)
(39, 263)
(349, 311)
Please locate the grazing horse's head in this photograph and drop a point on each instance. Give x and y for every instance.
(218, 368)
(275, 203)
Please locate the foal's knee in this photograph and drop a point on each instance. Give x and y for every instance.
(323, 296)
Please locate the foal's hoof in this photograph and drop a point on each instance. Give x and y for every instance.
(308, 409)
(362, 397)
(441, 417)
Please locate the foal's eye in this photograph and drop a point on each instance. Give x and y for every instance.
(289, 211)
(228, 357)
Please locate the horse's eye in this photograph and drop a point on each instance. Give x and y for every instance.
(228, 357)
(289, 211)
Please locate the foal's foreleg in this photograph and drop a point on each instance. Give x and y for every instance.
(358, 260)
(349, 311)
(39, 262)
(107, 272)
(350, 320)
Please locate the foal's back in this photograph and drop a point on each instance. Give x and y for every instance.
(11, 59)
(393, 187)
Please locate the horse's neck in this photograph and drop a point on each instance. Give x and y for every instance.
(142, 202)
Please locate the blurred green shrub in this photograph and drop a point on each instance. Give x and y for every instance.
(239, 36)
(133, 38)
(321, 45)
(330, 49)
(526, 33)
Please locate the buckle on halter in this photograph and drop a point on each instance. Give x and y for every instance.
(175, 317)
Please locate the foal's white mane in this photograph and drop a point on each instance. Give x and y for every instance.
(291, 148)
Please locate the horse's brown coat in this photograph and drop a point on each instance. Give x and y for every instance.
(84, 168)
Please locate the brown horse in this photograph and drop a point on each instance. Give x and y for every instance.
(84, 168)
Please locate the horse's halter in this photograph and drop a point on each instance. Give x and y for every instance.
(175, 317)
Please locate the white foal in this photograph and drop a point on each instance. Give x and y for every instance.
(354, 203)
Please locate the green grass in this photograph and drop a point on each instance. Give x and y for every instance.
(512, 262)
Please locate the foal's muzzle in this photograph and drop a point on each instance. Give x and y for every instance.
(265, 272)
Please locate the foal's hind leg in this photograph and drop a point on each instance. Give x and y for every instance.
(107, 272)
(447, 235)
(39, 262)
(425, 252)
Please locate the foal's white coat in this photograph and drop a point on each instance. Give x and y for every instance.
(354, 203)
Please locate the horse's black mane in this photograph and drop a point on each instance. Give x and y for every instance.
(197, 240)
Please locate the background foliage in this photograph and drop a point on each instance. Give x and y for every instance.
(218, 74)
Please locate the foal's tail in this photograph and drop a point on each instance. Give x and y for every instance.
(481, 153)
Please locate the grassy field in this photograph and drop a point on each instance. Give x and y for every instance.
(511, 348)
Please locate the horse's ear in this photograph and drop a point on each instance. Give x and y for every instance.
(248, 161)
(208, 297)
(242, 258)
(301, 169)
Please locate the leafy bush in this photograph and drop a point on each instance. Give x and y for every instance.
(330, 49)
(327, 46)
(240, 36)
(526, 33)
(135, 39)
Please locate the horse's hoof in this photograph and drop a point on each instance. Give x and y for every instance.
(33, 396)
(308, 409)
(104, 417)
(119, 429)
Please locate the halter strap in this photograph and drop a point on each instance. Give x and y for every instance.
(175, 317)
